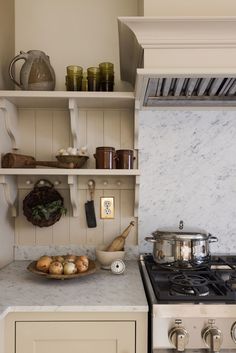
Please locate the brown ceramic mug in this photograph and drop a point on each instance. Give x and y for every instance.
(105, 157)
(125, 159)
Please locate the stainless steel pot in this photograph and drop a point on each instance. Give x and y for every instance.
(181, 248)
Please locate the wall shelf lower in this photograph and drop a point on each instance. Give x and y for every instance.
(58, 171)
(72, 181)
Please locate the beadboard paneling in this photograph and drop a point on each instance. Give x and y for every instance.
(43, 132)
(71, 230)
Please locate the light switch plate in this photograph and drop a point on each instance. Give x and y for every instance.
(107, 207)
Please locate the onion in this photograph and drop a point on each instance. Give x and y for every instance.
(69, 268)
(56, 268)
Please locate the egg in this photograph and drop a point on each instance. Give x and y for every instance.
(69, 150)
(82, 151)
(69, 268)
(61, 151)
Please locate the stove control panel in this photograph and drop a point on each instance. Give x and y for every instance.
(194, 327)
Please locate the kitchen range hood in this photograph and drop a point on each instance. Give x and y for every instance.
(179, 61)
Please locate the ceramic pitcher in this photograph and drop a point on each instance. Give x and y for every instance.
(36, 74)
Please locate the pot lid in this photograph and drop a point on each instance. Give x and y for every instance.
(177, 234)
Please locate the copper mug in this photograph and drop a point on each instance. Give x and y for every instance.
(125, 159)
(105, 158)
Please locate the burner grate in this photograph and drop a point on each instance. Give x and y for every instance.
(189, 284)
(202, 285)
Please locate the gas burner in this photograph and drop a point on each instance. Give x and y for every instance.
(189, 285)
(175, 266)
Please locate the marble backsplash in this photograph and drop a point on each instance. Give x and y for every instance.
(188, 172)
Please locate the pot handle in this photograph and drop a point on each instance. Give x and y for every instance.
(212, 239)
(150, 239)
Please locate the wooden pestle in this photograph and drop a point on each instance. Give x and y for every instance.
(14, 160)
(119, 242)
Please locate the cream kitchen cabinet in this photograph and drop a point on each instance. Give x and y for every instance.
(87, 333)
(89, 337)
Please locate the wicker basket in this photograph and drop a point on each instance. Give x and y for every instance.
(42, 195)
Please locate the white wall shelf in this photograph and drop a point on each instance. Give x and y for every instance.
(60, 99)
(60, 171)
(72, 181)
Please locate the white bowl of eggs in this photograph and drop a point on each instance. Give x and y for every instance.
(72, 155)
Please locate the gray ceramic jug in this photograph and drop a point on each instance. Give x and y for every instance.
(36, 73)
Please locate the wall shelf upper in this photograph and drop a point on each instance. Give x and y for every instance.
(60, 99)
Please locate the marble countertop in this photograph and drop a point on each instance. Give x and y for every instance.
(101, 291)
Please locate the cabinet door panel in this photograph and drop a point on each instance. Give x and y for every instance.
(86, 337)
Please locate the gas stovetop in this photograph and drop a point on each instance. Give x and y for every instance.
(213, 283)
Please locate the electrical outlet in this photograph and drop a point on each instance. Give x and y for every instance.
(107, 207)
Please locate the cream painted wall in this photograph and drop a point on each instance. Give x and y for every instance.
(6, 40)
(75, 32)
(6, 54)
(189, 8)
(7, 223)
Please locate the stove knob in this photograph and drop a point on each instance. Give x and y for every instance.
(179, 336)
(233, 332)
(213, 338)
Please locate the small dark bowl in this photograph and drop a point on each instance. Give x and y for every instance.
(78, 161)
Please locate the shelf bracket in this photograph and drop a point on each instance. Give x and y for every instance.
(136, 195)
(74, 121)
(11, 121)
(8, 198)
(74, 197)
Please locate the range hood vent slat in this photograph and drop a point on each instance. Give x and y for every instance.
(228, 83)
(179, 86)
(202, 89)
(216, 83)
(159, 87)
(203, 86)
(232, 89)
(166, 87)
(191, 86)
